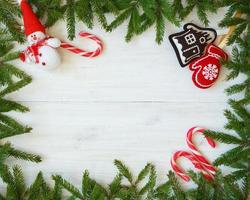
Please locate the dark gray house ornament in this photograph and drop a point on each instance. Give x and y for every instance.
(191, 43)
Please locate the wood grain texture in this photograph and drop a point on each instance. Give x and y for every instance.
(133, 103)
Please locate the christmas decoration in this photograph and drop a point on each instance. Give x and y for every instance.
(42, 48)
(207, 68)
(205, 163)
(198, 160)
(84, 53)
(191, 43)
(195, 162)
(125, 186)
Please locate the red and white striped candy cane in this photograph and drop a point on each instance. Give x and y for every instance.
(181, 173)
(207, 165)
(82, 52)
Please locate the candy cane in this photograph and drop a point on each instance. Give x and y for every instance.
(207, 165)
(181, 173)
(82, 52)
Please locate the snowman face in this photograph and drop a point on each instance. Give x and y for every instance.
(35, 37)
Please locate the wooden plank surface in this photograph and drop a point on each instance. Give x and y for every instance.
(133, 103)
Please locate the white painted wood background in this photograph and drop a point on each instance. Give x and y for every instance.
(133, 103)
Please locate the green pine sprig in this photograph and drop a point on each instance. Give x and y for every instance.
(183, 8)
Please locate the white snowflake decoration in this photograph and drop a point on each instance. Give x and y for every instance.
(210, 72)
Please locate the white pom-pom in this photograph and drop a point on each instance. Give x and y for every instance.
(54, 42)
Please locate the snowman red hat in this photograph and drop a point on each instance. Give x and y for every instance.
(31, 22)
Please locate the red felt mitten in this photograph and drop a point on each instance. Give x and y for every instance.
(207, 68)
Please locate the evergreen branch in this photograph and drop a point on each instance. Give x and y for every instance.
(223, 137)
(23, 155)
(10, 70)
(70, 18)
(229, 157)
(182, 10)
(18, 178)
(150, 185)
(6, 106)
(179, 194)
(57, 192)
(68, 186)
(84, 12)
(9, 127)
(144, 172)
(39, 189)
(115, 186)
(124, 171)
(163, 191)
(91, 189)
(97, 8)
(237, 175)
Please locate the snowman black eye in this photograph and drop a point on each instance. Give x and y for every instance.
(32, 36)
(43, 63)
(40, 54)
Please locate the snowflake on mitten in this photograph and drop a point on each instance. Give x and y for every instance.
(210, 72)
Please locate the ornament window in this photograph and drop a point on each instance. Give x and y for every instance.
(190, 39)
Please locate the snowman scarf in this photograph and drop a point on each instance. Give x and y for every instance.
(32, 51)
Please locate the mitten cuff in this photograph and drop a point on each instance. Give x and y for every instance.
(214, 50)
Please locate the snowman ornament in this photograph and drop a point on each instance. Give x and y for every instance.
(42, 49)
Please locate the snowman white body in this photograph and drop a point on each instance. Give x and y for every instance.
(47, 57)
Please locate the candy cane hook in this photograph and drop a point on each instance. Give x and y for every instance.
(82, 52)
(207, 165)
(181, 173)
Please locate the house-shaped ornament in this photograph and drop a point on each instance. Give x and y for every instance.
(192, 42)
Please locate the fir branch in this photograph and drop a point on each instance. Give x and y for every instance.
(57, 192)
(9, 11)
(163, 191)
(6, 106)
(237, 175)
(230, 156)
(6, 73)
(18, 178)
(70, 18)
(85, 13)
(178, 192)
(124, 171)
(39, 189)
(23, 155)
(9, 127)
(98, 9)
(150, 185)
(144, 172)
(223, 137)
(241, 23)
(203, 7)
(68, 186)
(115, 186)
